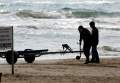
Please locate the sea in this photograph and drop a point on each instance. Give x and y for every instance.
(47, 24)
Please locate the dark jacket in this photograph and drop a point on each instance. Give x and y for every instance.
(86, 37)
(95, 36)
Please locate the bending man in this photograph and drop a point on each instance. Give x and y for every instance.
(86, 37)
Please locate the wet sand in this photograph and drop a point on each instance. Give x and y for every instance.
(63, 71)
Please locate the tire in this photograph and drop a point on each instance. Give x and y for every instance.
(8, 57)
(29, 58)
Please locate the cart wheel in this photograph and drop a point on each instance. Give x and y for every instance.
(78, 57)
(8, 57)
(29, 58)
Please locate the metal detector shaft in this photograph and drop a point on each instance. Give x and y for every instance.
(80, 48)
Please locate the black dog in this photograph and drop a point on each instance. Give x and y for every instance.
(66, 47)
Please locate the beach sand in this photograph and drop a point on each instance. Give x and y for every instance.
(63, 71)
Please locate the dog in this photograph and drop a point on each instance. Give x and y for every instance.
(66, 47)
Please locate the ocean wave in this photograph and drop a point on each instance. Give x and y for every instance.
(109, 48)
(115, 29)
(41, 14)
(93, 13)
(66, 8)
(85, 13)
(66, 13)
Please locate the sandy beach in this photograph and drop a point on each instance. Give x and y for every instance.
(63, 71)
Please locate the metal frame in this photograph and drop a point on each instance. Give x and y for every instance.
(37, 53)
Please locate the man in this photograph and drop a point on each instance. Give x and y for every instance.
(86, 37)
(95, 41)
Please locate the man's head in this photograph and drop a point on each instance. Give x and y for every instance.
(80, 28)
(92, 24)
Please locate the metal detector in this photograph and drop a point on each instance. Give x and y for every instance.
(78, 57)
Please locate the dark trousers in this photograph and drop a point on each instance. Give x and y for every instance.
(95, 56)
(86, 49)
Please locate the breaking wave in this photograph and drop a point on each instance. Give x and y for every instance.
(108, 48)
(65, 13)
(42, 14)
(85, 13)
